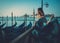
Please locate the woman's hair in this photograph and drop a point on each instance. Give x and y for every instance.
(41, 11)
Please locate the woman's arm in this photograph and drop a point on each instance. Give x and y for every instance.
(50, 19)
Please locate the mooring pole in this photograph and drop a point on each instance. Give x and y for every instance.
(33, 16)
(25, 19)
(12, 17)
(25, 16)
(2, 19)
(15, 19)
(7, 21)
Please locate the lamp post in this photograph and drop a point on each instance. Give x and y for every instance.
(34, 15)
(44, 4)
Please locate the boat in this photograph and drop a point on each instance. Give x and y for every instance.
(22, 31)
(7, 27)
(2, 25)
(10, 32)
(26, 28)
(12, 35)
(1, 37)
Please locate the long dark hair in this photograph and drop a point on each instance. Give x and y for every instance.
(40, 9)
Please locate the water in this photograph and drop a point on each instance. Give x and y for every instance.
(19, 20)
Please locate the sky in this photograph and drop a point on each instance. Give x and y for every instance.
(21, 7)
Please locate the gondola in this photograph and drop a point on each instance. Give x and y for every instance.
(10, 32)
(19, 27)
(1, 37)
(17, 32)
(26, 28)
(6, 30)
(7, 27)
(22, 31)
(29, 26)
(23, 24)
(2, 25)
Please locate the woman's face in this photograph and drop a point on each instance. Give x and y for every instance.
(40, 13)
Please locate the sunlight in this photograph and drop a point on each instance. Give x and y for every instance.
(17, 11)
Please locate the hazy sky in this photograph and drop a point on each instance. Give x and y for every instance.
(20, 7)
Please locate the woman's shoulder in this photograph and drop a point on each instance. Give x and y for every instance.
(43, 19)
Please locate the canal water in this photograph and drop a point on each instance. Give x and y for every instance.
(19, 20)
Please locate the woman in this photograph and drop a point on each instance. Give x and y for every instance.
(41, 18)
(40, 24)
